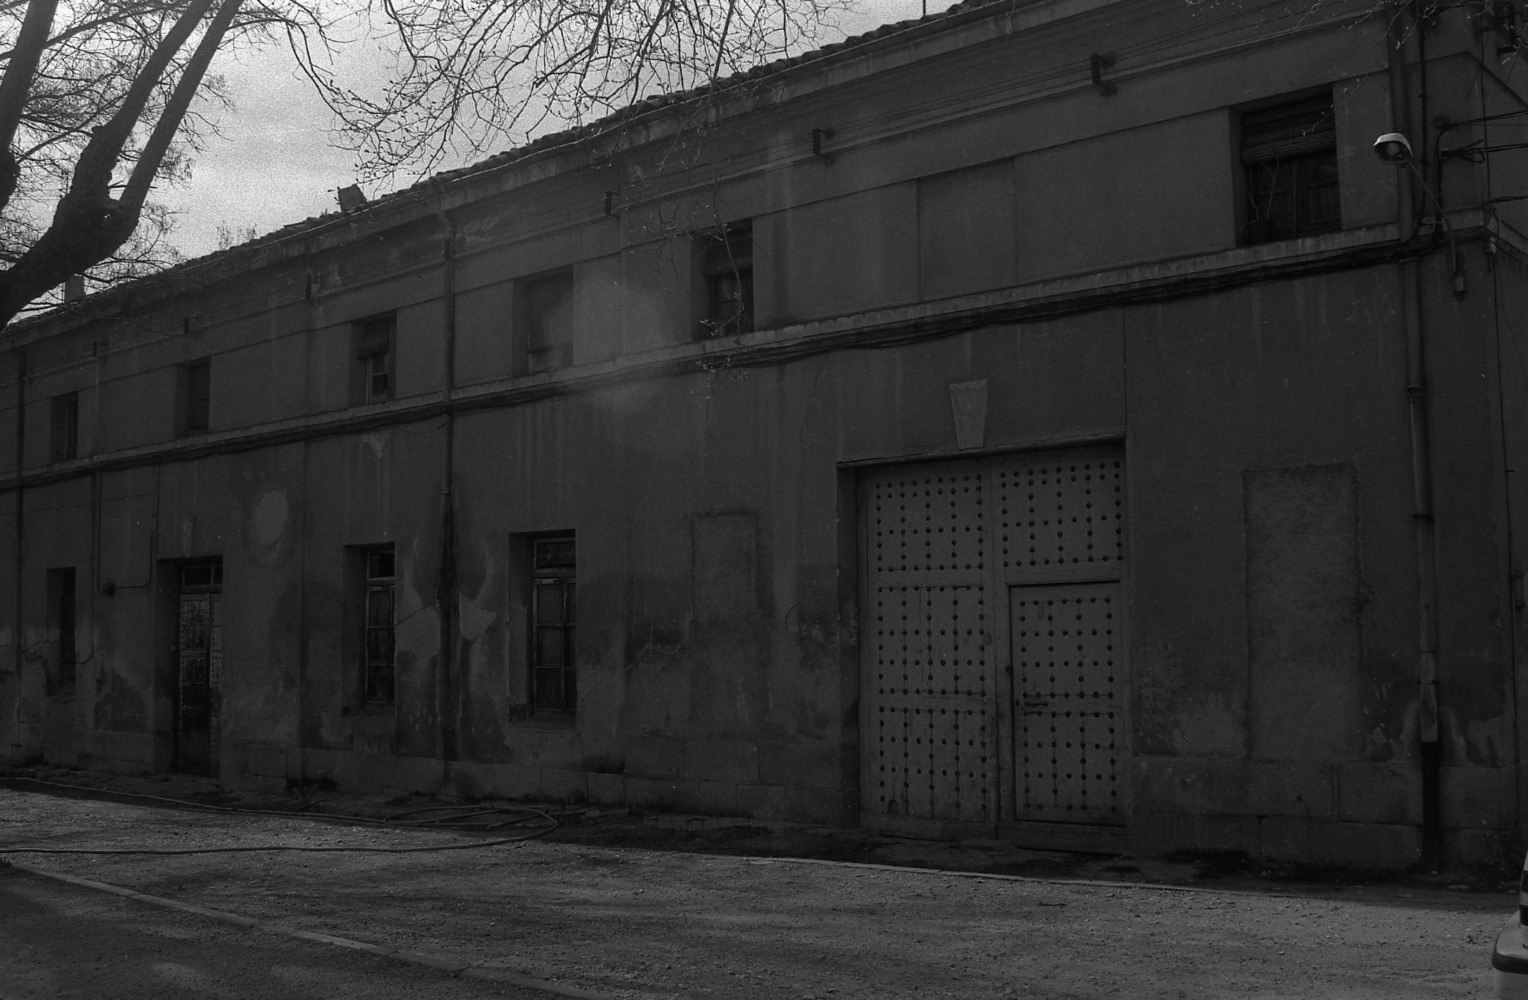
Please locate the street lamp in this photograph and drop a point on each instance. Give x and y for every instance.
(1395, 149)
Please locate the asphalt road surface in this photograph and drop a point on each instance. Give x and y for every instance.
(58, 940)
(638, 924)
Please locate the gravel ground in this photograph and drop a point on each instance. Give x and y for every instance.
(637, 923)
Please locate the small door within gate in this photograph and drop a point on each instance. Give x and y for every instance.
(1066, 740)
(993, 658)
(199, 668)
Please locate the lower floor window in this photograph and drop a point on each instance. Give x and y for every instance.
(61, 661)
(553, 619)
(378, 625)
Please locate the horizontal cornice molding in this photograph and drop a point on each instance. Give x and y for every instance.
(1040, 302)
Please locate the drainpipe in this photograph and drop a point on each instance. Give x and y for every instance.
(298, 769)
(447, 696)
(1427, 573)
(1429, 748)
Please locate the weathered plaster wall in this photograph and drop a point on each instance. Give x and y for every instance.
(1510, 292)
(1268, 441)
(130, 706)
(1466, 339)
(380, 487)
(707, 514)
(47, 714)
(1270, 573)
(1271, 577)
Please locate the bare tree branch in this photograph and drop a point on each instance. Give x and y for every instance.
(104, 150)
(102, 101)
(471, 73)
(174, 113)
(16, 84)
(89, 225)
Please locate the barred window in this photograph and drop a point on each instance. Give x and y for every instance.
(554, 589)
(377, 625)
(1289, 156)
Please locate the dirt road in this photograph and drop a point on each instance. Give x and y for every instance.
(642, 924)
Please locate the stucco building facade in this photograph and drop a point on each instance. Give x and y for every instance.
(1046, 420)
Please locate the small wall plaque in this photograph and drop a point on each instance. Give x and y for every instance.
(968, 401)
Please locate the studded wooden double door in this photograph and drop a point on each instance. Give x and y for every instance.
(993, 660)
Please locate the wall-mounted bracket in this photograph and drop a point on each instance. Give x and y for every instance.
(820, 137)
(1098, 64)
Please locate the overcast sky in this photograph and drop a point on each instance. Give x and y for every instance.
(275, 165)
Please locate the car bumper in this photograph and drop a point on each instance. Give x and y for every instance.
(1510, 960)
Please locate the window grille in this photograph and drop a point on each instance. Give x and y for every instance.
(1289, 156)
(553, 624)
(378, 625)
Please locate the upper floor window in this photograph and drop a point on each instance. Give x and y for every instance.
(1289, 156)
(726, 265)
(547, 311)
(64, 428)
(373, 370)
(196, 397)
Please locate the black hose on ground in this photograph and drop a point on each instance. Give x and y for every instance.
(494, 817)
